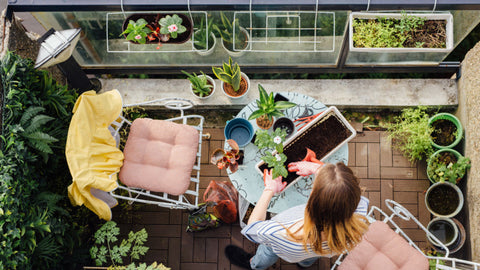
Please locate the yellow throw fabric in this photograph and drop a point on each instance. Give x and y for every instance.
(92, 155)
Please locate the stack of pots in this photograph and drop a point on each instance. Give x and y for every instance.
(444, 200)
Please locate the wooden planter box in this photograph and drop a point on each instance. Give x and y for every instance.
(151, 18)
(447, 17)
(324, 135)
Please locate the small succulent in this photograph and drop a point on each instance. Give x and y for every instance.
(229, 73)
(200, 85)
(172, 25)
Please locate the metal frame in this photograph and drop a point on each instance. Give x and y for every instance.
(163, 199)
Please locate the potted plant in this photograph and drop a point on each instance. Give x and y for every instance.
(202, 86)
(268, 108)
(234, 38)
(447, 165)
(444, 199)
(272, 147)
(410, 133)
(444, 229)
(163, 28)
(324, 135)
(204, 39)
(447, 130)
(109, 250)
(400, 32)
(228, 158)
(235, 84)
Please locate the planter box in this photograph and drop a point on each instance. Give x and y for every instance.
(324, 135)
(369, 15)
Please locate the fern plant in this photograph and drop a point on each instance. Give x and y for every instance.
(229, 73)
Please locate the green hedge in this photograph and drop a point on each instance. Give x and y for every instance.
(38, 227)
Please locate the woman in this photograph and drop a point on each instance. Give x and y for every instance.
(327, 225)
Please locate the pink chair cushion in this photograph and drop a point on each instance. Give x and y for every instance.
(159, 156)
(382, 248)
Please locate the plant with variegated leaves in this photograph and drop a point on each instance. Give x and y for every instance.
(229, 73)
(227, 158)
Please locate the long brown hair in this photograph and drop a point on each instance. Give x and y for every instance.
(330, 209)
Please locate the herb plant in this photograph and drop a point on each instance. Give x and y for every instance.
(272, 144)
(268, 107)
(453, 172)
(137, 31)
(410, 133)
(172, 25)
(229, 73)
(200, 85)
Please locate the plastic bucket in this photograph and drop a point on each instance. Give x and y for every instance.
(240, 130)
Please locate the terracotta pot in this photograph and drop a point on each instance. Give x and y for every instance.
(229, 92)
(263, 122)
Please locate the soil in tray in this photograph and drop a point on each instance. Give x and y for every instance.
(444, 132)
(321, 138)
(443, 200)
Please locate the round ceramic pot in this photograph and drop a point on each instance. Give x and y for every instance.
(455, 121)
(430, 161)
(210, 79)
(286, 124)
(439, 195)
(244, 94)
(238, 53)
(204, 52)
(240, 130)
(444, 229)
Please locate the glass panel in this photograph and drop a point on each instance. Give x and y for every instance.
(279, 39)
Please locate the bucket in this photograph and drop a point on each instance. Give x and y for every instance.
(240, 130)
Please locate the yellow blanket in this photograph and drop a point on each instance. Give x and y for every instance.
(92, 155)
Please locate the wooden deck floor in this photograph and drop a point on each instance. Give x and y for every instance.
(383, 172)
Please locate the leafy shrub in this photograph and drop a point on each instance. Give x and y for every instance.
(37, 229)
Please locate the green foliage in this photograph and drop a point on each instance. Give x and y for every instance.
(104, 251)
(267, 105)
(230, 74)
(35, 230)
(410, 133)
(204, 34)
(200, 84)
(227, 32)
(137, 31)
(272, 144)
(172, 25)
(142, 266)
(384, 32)
(452, 172)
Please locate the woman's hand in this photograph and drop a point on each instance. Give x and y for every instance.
(276, 185)
(304, 168)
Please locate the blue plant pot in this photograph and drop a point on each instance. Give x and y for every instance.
(240, 130)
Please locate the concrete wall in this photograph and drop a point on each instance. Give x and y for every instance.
(469, 114)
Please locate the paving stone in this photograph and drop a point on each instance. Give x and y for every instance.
(386, 153)
(373, 160)
(361, 154)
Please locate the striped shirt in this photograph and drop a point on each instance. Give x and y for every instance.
(272, 233)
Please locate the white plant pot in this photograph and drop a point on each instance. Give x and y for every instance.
(244, 94)
(454, 187)
(209, 51)
(429, 16)
(238, 53)
(210, 79)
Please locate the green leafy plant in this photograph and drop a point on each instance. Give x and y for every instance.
(200, 85)
(451, 171)
(385, 32)
(172, 25)
(267, 106)
(272, 145)
(227, 33)
(105, 251)
(410, 133)
(204, 34)
(229, 73)
(137, 31)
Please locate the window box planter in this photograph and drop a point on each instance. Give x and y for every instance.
(448, 130)
(324, 135)
(446, 17)
(153, 21)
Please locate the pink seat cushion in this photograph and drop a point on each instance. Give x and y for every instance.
(382, 248)
(159, 156)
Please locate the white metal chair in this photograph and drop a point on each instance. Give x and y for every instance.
(399, 211)
(134, 190)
